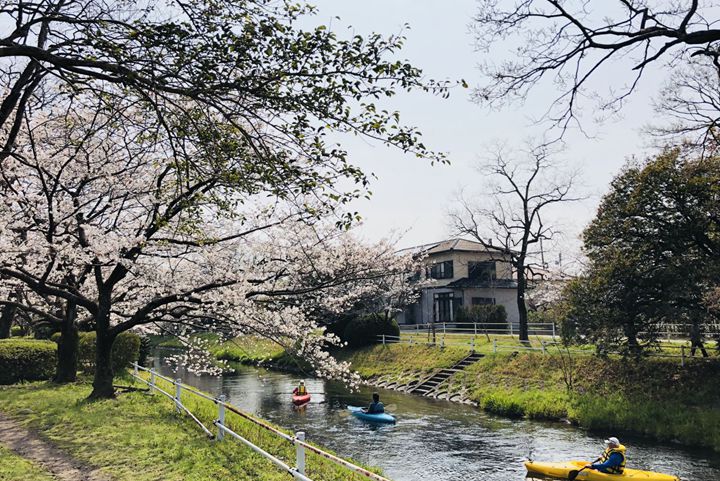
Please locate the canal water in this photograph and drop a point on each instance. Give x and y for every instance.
(435, 440)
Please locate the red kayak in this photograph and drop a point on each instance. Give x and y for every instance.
(300, 400)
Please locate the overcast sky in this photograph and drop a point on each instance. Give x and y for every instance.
(409, 194)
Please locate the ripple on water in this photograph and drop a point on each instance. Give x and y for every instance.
(436, 440)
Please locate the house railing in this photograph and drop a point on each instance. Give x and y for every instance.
(298, 440)
(479, 328)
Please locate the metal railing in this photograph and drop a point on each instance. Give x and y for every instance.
(478, 328)
(664, 349)
(298, 440)
(472, 343)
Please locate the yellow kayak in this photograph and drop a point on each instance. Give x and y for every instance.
(562, 470)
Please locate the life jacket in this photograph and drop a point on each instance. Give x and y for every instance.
(301, 390)
(606, 455)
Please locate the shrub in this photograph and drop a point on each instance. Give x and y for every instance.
(26, 360)
(365, 330)
(125, 350)
(17, 331)
(490, 316)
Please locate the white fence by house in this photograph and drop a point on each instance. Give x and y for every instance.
(673, 339)
(298, 440)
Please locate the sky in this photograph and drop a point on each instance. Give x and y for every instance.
(412, 197)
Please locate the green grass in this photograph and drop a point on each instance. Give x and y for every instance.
(249, 350)
(657, 398)
(140, 437)
(400, 362)
(17, 468)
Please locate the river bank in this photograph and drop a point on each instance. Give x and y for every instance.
(140, 437)
(655, 398)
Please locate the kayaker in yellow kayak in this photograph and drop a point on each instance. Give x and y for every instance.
(613, 458)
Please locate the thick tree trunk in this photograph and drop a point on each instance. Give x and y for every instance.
(696, 339)
(6, 319)
(522, 308)
(103, 379)
(67, 360)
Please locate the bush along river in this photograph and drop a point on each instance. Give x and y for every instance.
(434, 440)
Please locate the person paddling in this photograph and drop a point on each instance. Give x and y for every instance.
(300, 390)
(613, 458)
(375, 407)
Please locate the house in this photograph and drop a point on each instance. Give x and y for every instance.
(465, 273)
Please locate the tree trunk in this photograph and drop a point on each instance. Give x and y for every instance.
(67, 360)
(522, 308)
(696, 339)
(6, 320)
(103, 379)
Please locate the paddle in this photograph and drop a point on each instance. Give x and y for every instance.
(574, 473)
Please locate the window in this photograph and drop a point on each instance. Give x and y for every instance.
(482, 301)
(446, 307)
(484, 271)
(442, 270)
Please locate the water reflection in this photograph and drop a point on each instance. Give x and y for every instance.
(435, 440)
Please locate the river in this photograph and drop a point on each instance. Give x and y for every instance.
(435, 440)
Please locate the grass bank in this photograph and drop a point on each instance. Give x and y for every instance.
(140, 437)
(17, 468)
(652, 397)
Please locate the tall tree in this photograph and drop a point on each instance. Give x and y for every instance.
(654, 246)
(513, 223)
(98, 215)
(245, 62)
(571, 44)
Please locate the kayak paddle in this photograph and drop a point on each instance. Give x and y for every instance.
(574, 473)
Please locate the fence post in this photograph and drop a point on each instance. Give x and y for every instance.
(682, 356)
(553, 325)
(494, 346)
(475, 327)
(135, 369)
(221, 417)
(300, 453)
(511, 329)
(442, 342)
(383, 339)
(542, 345)
(178, 390)
(152, 381)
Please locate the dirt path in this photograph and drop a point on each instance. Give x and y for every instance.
(30, 446)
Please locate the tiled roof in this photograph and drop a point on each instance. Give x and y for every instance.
(451, 245)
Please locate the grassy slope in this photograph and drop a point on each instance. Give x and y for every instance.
(16, 468)
(400, 362)
(658, 398)
(140, 437)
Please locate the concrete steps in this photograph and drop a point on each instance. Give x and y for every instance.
(430, 385)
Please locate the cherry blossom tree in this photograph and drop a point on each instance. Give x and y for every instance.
(98, 213)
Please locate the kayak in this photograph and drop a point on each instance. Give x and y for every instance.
(300, 400)
(562, 470)
(375, 418)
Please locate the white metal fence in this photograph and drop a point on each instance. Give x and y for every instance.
(667, 348)
(298, 440)
(478, 328)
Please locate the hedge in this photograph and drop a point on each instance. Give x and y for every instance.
(26, 360)
(365, 330)
(125, 350)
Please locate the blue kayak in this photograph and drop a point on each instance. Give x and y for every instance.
(375, 418)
